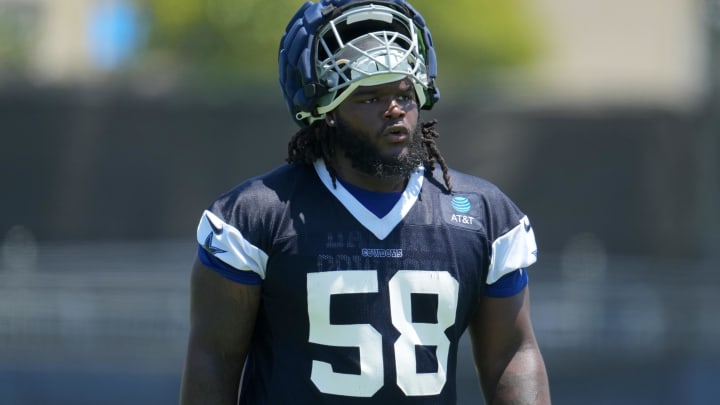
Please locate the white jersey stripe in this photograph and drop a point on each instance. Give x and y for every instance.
(228, 244)
(514, 250)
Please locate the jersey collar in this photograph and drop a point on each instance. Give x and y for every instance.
(380, 227)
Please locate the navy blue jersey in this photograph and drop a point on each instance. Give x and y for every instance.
(357, 309)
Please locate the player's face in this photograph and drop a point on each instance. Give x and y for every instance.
(377, 129)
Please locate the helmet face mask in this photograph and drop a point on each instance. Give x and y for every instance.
(334, 46)
(367, 45)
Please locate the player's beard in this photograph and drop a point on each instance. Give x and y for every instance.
(366, 157)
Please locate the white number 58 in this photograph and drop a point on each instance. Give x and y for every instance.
(321, 286)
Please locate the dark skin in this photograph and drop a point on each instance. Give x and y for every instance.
(219, 339)
(506, 354)
(385, 115)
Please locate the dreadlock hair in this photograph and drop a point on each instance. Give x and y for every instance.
(315, 142)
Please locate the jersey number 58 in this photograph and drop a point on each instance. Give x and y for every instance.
(321, 286)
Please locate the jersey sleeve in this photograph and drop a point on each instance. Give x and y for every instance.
(513, 250)
(224, 249)
(511, 243)
(510, 254)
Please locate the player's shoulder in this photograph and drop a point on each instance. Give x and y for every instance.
(277, 178)
(467, 183)
(269, 188)
(478, 194)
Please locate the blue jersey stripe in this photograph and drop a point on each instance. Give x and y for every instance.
(508, 285)
(244, 277)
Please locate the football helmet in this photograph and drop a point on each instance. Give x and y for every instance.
(333, 46)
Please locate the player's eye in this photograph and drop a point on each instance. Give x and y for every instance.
(410, 96)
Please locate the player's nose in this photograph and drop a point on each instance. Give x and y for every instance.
(395, 109)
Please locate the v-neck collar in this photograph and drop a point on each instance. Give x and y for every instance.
(380, 227)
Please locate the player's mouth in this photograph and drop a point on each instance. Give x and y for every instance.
(396, 133)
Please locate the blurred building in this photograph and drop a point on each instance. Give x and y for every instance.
(72, 41)
(608, 52)
(643, 52)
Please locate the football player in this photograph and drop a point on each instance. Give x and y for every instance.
(349, 274)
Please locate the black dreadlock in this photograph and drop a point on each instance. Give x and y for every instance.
(315, 141)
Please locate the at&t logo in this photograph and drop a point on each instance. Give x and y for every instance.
(462, 206)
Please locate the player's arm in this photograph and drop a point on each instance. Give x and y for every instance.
(222, 318)
(507, 356)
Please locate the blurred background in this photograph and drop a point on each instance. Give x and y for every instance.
(120, 121)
